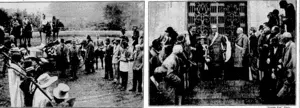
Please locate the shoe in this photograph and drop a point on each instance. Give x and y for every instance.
(133, 90)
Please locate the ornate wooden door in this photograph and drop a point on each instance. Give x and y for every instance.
(227, 15)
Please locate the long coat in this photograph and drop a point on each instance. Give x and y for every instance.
(289, 61)
(215, 49)
(14, 81)
(241, 50)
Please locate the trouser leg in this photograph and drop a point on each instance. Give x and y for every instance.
(140, 80)
(134, 80)
(124, 79)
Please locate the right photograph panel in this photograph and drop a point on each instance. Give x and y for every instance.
(215, 53)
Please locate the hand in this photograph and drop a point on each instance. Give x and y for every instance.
(279, 66)
(280, 61)
(273, 76)
(268, 61)
(207, 60)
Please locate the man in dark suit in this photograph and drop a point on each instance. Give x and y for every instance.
(62, 59)
(108, 59)
(89, 59)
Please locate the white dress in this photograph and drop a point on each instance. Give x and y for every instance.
(16, 94)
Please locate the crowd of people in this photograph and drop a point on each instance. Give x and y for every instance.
(32, 78)
(266, 56)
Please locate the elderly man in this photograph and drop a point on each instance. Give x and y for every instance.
(174, 72)
(241, 54)
(217, 46)
(286, 92)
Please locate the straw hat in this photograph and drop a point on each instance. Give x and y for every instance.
(160, 69)
(61, 91)
(46, 80)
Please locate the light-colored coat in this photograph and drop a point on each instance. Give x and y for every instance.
(241, 50)
(16, 94)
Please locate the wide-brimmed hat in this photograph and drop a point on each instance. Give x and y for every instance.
(15, 51)
(31, 68)
(61, 91)
(46, 80)
(169, 29)
(160, 69)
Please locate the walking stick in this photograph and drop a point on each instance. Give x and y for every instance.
(35, 83)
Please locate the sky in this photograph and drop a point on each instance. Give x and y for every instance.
(30, 7)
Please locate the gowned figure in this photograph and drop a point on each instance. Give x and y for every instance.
(15, 79)
(241, 55)
(217, 46)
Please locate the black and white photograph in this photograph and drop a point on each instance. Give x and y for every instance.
(72, 53)
(222, 53)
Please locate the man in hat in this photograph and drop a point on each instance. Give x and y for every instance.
(15, 78)
(217, 45)
(241, 55)
(287, 90)
(61, 96)
(62, 58)
(45, 82)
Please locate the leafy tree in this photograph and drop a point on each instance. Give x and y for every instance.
(5, 18)
(114, 15)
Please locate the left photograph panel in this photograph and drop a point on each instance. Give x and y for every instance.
(71, 54)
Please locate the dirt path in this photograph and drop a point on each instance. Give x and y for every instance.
(90, 91)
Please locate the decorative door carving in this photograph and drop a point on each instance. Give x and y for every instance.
(227, 15)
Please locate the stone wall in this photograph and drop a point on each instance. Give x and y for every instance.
(165, 14)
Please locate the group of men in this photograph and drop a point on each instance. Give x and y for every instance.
(266, 56)
(115, 57)
(22, 28)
